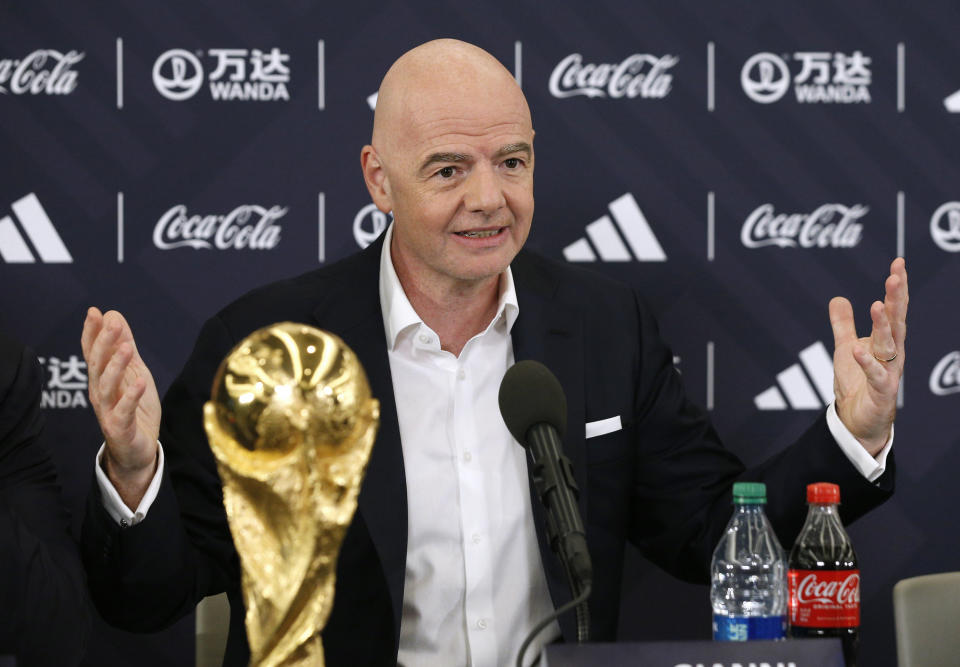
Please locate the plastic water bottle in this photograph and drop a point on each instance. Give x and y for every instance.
(748, 587)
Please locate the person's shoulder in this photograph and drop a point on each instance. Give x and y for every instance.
(19, 369)
(570, 283)
(20, 384)
(295, 298)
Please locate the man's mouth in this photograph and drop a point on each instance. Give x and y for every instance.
(481, 233)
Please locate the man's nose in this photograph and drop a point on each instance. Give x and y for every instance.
(484, 193)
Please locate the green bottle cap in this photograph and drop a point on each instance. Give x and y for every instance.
(749, 493)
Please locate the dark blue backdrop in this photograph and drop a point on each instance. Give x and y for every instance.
(741, 162)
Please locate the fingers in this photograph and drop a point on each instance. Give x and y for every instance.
(875, 371)
(109, 349)
(101, 350)
(881, 337)
(111, 380)
(841, 320)
(112, 332)
(125, 411)
(896, 300)
(91, 327)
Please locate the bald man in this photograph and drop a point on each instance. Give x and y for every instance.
(446, 561)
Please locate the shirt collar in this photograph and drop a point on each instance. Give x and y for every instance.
(397, 312)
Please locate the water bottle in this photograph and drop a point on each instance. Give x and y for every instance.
(748, 587)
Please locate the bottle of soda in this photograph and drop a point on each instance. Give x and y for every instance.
(748, 588)
(823, 577)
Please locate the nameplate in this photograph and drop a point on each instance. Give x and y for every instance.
(784, 653)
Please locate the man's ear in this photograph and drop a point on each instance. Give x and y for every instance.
(375, 176)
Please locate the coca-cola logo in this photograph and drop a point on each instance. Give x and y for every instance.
(246, 227)
(945, 226)
(831, 225)
(639, 75)
(45, 71)
(945, 378)
(812, 589)
(369, 223)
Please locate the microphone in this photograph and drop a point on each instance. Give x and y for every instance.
(534, 408)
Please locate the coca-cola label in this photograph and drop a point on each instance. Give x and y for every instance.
(43, 72)
(824, 598)
(829, 226)
(638, 75)
(247, 226)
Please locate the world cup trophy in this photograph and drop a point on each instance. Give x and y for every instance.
(291, 423)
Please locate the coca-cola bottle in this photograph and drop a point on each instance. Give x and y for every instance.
(823, 577)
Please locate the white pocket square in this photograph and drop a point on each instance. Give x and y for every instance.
(603, 426)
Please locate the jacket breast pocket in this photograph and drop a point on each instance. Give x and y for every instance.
(606, 440)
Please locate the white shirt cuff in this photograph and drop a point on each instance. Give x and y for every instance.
(870, 467)
(115, 507)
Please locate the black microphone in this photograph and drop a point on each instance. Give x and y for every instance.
(534, 408)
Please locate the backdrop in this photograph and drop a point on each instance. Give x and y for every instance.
(740, 162)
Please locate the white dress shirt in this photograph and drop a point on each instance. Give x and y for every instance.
(474, 584)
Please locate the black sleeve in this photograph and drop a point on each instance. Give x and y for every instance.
(147, 576)
(44, 616)
(684, 474)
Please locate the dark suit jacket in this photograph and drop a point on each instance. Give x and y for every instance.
(663, 482)
(44, 618)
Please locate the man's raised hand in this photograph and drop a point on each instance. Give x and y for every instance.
(867, 371)
(124, 398)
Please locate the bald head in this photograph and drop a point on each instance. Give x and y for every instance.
(444, 77)
(452, 158)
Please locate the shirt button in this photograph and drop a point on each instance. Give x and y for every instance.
(476, 538)
(461, 374)
(482, 624)
(467, 456)
(424, 338)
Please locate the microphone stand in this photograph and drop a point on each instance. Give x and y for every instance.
(548, 474)
(580, 590)
(580, 602)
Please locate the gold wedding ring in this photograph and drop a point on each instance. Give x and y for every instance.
(885, 360)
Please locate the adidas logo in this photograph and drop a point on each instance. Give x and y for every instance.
(46, 242)
(608, 242)
(952, 102)
(797, 391)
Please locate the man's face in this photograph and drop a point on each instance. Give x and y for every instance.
(460, 181)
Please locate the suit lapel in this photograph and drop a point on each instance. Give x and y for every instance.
(352, 311)
(546, 331)
(551, 332)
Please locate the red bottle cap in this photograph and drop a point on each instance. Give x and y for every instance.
(823, 493)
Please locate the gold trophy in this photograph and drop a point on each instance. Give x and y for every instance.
(291, 423)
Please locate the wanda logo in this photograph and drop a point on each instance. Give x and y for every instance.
(838, 592)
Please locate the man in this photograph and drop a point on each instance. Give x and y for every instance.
(445, 562)
(44, 618)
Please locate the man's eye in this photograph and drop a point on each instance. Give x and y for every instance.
(512, 162)
(447, 172)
